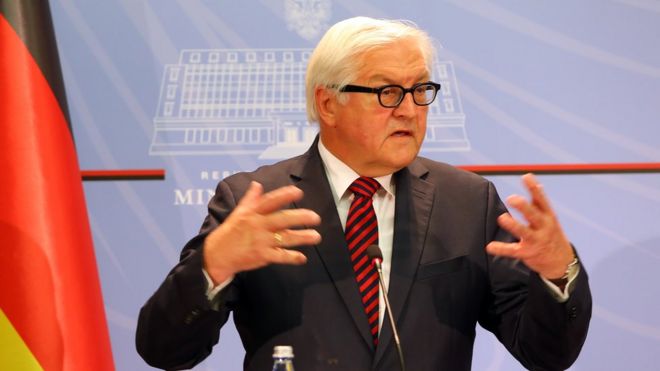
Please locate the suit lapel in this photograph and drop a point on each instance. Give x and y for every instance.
(310, 177)
(414, 201)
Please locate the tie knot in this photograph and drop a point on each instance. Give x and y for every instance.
(365, 187)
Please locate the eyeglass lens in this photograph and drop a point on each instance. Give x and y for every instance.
(391, 96)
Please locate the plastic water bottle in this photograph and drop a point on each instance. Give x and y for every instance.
(283, 358)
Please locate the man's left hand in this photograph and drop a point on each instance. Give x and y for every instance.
(543, 246)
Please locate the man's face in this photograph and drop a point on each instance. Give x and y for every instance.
(371, 139)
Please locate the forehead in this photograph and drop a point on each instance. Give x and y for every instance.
(402, 61)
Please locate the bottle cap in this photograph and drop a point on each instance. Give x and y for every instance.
(283, 351)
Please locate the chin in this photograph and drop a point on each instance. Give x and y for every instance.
(403, 160)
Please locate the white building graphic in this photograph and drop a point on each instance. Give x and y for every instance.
(252, 102)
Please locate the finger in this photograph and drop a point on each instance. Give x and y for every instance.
(290, 237)
(530, 212)
(284, 256)
(252, 195)
(535, 189)
(290, 218)
(509, 250)
(278, 198)
(514, 227)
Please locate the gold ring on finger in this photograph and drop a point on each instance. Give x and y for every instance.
(278, 239)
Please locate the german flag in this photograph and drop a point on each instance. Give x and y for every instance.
(51, 309)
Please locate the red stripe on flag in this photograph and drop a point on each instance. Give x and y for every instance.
(49, 286)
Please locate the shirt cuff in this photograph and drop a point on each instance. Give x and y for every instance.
(557, 293)
(211, 291)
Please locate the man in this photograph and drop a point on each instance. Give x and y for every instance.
(283, 247)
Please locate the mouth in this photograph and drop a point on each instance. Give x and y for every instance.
(402, 133)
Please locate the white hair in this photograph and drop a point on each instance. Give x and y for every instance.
(334, 62)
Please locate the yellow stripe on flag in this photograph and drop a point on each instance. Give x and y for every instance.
(14, 354)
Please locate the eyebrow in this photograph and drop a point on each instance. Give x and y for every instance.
(423, 77)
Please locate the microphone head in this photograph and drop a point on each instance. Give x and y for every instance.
(373, 252)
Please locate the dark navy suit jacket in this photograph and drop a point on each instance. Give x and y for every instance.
(442, 283)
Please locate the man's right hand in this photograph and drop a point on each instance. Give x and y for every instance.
(258, 232)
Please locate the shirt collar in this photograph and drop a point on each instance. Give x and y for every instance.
(341, 175)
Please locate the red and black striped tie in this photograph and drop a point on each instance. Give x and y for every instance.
(362, 231)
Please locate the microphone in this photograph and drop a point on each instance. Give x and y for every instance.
(376, 257)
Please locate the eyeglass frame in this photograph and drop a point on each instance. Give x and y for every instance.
(365, 89)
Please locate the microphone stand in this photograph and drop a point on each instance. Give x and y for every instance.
(397, 342)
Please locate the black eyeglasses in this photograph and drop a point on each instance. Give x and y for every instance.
(390, 96)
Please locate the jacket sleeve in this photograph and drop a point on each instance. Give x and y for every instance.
(542, 333)
(177, 327)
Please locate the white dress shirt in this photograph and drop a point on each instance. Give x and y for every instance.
(341, 177)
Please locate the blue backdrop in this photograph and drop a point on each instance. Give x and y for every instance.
(205, 88)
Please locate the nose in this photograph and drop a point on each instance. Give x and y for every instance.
(407, 107)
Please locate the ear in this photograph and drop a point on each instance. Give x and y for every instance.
(326, 104)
